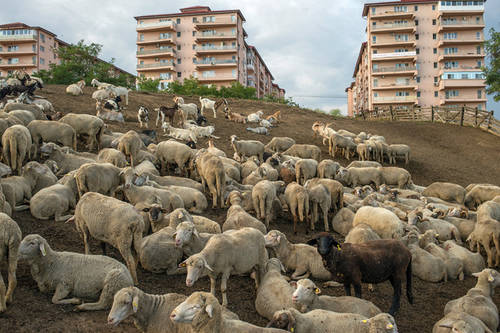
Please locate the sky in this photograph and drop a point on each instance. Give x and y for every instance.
(310, 47)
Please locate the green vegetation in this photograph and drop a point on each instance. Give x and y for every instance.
(492, 72)
(148, 85)
(335, 113)
(80, 62)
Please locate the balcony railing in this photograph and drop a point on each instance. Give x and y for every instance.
(156, 64)
(219, 21)
(156, 51)
(394, 69)
(395, 84)
(163, 24)
(216, 62)
(394, 55)
(216, 48)
(393, 26)
(18, 64)
(388, 42)
(461, 6)
(18, 37)
(462, 22)
(395, 98)
(205, 34)
(217, 77)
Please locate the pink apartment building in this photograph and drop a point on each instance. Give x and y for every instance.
(29, 48)
(420, 52)
(202, 43)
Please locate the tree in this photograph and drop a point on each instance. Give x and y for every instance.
(492, 72)
(335, 113)
(149, 85)
(80, 62)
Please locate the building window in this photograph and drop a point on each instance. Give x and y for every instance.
(433, 7)
(42, 37)
(375, 51)
(178, 33)
(233, 18)
(433, 21)
(195, 20)
(33, 60)
(42, 61)
(178, 47)
(207, 74)
(375, 82)
(373, 10)
(178, 61)
(450, 50)
(13, 48)
(141, 62)
(207, 19)
(416, 8)
(33, 47)
(194, 33)
(416, 22)
(194, 60)
(194, 46)
(42, 49)
(451, 93)
(400, 37)
(450, 35)
(400, 9)
(450, 64)
(435, 50)
(434, 36)
(141, 37)
(478, 50)
(479, 64)
(479, 94)
(417, 50)
(435, 65)
(179, 74)
(436, 78)
(478, 35)
(178, 21)
(418, 93)
(436, 94)
(234, 73)
(13, 61)
(416, 36)
(418, 79)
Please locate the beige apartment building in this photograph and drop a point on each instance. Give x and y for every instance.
(203, 43)
(30, 48)
(420, 53)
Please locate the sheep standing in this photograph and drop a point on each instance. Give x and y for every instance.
(89, 125)
(320, 196)
(211, 171)
(445, 191)
(75, 274)
(305, 169)
(103, 178)
(247, 148)
(237, 252)
(304, 151)
(16, 143)
(129, 144)
(10, 238)
(172, 151)
(263, 195)
(297, 200)
(52, 131)
(280, 144)
(110, 221)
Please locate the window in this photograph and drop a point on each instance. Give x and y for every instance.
(165, 35)
(194, 46)
(373, 10)
(400, 37)
(178, 21)
(450, 64)
(42, 61)
(478, 35)
(233, 18)
(450, 35)
(433, 7)
(450, 50)
(207, 74)
(374, 39)
(234, 73)
(141, 37)
(178, 47)
(435, 50)
(178, 61)
(434, 36)
(478, 50)
(479, 94)
(194, 60)
(33, 60)
(42, 37)
(417, 50)
(13, 60)
(436, 78)
(418, 93)
(375, 94)
(436, 94)
(416, 22)
(433, 21)
(402, 93)
(399, 9)
(195, 20)
(142, 62)
(416, 8)
(207, 19)
(435, 65)
(13, 48)
(194, 33)
(417, 36)
(375, 51)
(479, 64)
(375, 82)
(42, 49)
(451, 93)
(178, 33)
(179, 74)
(418, 79)
(165, 76)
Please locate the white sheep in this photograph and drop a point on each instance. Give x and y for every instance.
(424, 265)
(178, 133)
(238, 218)
(255, 117)
(76, 89)
(384, 222)
(74, 274)
(10, 238)
(189, 239)
(280, 144)
(247, 148)
(472, 262)
(263, 195)
(305, 169)
(158, 253)
(207, 103)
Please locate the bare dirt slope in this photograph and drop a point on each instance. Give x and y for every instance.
(439, 152)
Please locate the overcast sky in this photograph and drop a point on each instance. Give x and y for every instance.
(309, 46)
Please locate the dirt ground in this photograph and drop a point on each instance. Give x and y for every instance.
(439, 153)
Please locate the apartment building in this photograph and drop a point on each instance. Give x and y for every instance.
(425, 53)
(30, 48)
(209, 45)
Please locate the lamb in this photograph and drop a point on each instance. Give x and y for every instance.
(66, 162)
(89, 125)
(76, 89)
(472, 262)
(460, 322)
(172, 151)
(205, 314)
(319, 195)
(129, 144)
(110, 221)
(302, 258)
(193, 199)
(245, 250)
(360, 176)
(384, 222)
(306, 298)
(396, 176)
(274, 292)
(248, 148)
(158, 253)
(280, 144)
(263, 195)
(255, 117)
(52, 131)
(75, 274)
(305, 169)
(297, 200)
(328, 169)
(484, 233)
(258, 130)
(424, 265)
(370, 262)
(304, 151)
(211, 171)
(479, 194)
(16, 143)
(236, 117)
(9, 246)
(446, 191)
(477, 302)
(238, 218)
(399, 150)
(149, 312)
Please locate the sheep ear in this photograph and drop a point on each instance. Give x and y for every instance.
(207, 266)
(209, 310)
(195, 232)
(135, 303)
(317, 291)
(42, 249)
(475, 274)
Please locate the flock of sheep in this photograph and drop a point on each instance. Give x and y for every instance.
(147, 199)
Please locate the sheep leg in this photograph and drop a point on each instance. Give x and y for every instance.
(325, 210)
(300, 273)
(85, 234)
(396, 285)
(112, 283)
(125, 251)
(347, 289)
(13, 256)
(103, 247)
(255, 201)
(223, 287)
(3, 305)
(357, 290)
(63, 290)
(489, 253)
(497, 247)
(213, 280)
(61, 218)
(213, 191)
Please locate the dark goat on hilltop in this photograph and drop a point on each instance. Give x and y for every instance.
(371, 262)
(169, 112)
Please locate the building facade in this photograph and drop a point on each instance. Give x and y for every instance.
(30, 48)
(421, 53)
(201, 43)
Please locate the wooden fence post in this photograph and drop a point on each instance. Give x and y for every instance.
(462, 116)
(363, 114)
(475, 120)
(392, 113)
(489, 120)
(432, 114)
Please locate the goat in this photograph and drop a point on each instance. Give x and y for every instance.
(143, 115)
(165, 111)
(276, 116)
(370, 262)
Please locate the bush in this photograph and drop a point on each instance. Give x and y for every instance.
(148, 85)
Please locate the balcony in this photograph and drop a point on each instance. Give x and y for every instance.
(392, 14)
(469, 41)
(218, 23)
(461, 83)
(216, 63)
(460, 7)
(251, 84)
(404, 27)
(408, 70)
(461, 99)
(250, 68)
(396, 86)
(205, 36)
(18, 38)
(217, 77)
(17, 65)
(156, 52)
(411, 42)
(460, 25)
(411, 55)
(455, 56)
(395, 99)
(168, 39)
(216, 49)
(160, 65)
(18, 52)
(157, 26)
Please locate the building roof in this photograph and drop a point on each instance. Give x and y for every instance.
(358, 62)
(260, 58)
(190, 11)
(351, 86)
(20, 25)
(376, 4)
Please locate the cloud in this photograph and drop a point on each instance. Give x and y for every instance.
(310, 47)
